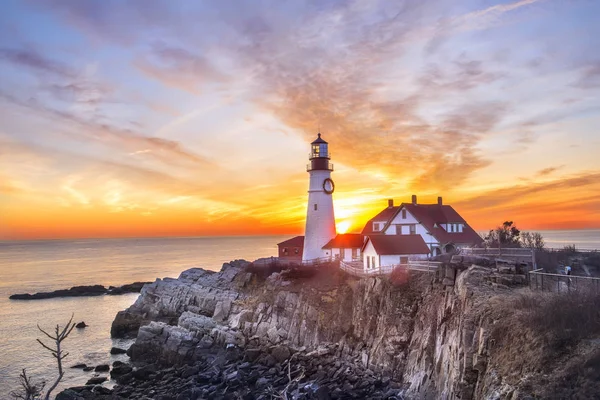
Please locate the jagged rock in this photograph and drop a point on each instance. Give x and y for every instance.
(196, 323)
(222, 309)
(81, 325)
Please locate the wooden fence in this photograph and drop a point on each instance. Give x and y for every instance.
(357, 268)
(559, 283)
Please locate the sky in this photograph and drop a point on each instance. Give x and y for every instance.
(162, 118)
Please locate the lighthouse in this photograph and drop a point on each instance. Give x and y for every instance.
(320, 220)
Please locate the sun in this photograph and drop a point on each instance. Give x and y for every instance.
(342, 227)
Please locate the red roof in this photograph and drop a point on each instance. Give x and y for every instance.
(389, 245)
(386, 215)
(345, 241)
(431, 216)
(297, 241)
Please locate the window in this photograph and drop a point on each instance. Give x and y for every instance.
(403, 214)
(323, 150)
(376, 227)
(398, 229)
(354, 253)
(296, 250)
(285, 250)
(315, 206)
(413, 229)
(404, 260)
(460, 227)
(373, 261)
(368, 262)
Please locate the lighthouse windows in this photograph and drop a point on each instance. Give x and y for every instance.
(315, 206)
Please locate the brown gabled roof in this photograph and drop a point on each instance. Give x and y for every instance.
(385, 216)
(388, 245)
(345, 241)
(431, 216)
(297, 241)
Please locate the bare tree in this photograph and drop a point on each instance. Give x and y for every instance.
(29, 390)
(57, 352)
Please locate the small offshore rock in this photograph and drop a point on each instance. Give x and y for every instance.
(79, 366)
(87, 369)
(97, 380)
(117, 350)
(102, 368)
(81, 325)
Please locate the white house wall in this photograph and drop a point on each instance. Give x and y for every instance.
(370, 252)
(347, 256)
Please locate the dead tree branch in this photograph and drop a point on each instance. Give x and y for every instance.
(57, 352)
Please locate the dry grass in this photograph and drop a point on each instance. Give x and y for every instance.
(545, 336)
(561, 319)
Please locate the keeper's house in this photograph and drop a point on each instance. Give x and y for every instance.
(412, 232)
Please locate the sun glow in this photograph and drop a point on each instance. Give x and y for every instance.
(342, 227)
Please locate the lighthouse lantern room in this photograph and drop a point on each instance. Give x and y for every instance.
(320, 219)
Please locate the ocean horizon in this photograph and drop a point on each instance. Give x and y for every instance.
(28, 266)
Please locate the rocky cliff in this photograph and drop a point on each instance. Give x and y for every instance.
(417, 335)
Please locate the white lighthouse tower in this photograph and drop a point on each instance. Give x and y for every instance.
(320, 220)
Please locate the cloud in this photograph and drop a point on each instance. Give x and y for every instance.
(164, 150)
(548, 171)
(34, 60)
(178, 68)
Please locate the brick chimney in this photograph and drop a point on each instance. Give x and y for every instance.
(414, 199)
(440, 201)
(390, 203)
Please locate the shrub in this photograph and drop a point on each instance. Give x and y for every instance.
(399, 276)
(263, 271)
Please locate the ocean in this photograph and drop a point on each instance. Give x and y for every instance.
(34, 266)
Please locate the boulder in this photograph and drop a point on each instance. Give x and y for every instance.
(79, 366)
(81, 325)
(69, 394)
(280, 353)
(117, 350)
(102, 368)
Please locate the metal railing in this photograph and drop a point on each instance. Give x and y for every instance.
(310, 168)
(559, 283)
(514, 254)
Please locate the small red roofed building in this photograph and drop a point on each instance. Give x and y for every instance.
(291, 249)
